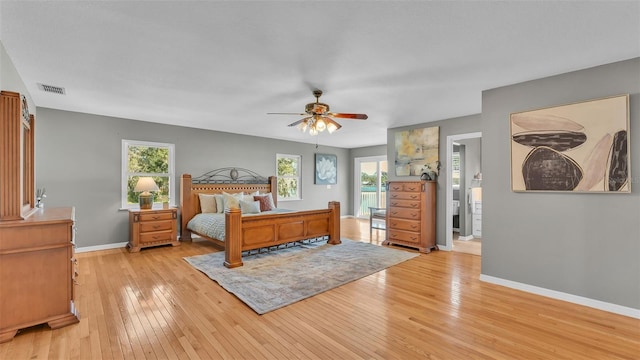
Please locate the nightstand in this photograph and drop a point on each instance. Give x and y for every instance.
(152, 228)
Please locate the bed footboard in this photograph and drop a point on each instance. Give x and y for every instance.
(254, 232)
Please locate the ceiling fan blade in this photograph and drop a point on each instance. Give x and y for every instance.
(299, 114)
(331, 124)
(349, 116)
(299, 121)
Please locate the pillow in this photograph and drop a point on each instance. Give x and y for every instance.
(250, 207)
(208, 203)
(266, 202)
(250, 196)
(231, 201)
(219, 203)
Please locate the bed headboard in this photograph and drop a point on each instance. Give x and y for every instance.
(229, 180)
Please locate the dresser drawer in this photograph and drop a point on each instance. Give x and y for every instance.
(156, 236)
(155, 226)
(153, 216)
(411, 204)
(406, 186)
(404, 213)
(401, 195)
(403, 236)
(410, 225)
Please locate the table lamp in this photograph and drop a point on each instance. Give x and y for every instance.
(145, 185)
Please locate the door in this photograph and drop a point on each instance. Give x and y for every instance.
(370, 184)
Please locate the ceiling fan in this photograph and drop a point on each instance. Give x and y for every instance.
(318, 119)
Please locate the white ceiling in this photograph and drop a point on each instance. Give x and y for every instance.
(223, 65)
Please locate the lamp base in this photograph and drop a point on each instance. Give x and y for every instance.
(146, 201)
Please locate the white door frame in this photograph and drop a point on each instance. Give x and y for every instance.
(449, 189)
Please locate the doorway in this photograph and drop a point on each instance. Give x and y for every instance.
(463, 179)
(370, 184)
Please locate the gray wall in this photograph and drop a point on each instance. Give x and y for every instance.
(10, 79)
(582, 244)
(78, 160)
(455, 126)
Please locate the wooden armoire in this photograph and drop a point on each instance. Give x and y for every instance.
(411, 214)
(37, 265)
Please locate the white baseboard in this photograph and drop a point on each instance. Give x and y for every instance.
(466, 238)
(100, 247)
(580, 300)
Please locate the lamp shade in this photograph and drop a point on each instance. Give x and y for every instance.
(146, 184)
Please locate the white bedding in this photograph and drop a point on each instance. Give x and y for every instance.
(212, 224)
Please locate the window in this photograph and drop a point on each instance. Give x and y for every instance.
(288, 172)
(141, 158)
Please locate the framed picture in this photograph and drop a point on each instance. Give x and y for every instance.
(581, 147)
(326, 169)
(417, 150)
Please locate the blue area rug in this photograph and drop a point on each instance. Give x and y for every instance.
(271, 280)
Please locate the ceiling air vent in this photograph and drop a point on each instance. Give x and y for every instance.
(51, 89)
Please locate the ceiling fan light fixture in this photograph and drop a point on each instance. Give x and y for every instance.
(302, 126)
(332, 126)
(320, 124)
(318, 119)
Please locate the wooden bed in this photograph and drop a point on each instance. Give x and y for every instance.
(243, 233)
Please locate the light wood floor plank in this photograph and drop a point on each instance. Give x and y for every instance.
(154, 305)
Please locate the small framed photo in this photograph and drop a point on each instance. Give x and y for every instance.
(326, 169)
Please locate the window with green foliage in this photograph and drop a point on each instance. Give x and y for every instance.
(288, 172)
(141, 158)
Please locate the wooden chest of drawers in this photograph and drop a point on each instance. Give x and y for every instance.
(152, 228)
(37, 271)
(411, 214)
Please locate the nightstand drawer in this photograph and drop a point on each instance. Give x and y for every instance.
(156, 236)
(153, 216)
(155, 226)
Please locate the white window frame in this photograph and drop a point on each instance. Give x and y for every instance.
(125, 171)
(298, 158)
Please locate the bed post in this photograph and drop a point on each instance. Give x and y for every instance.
(334, 223)
(233, 238)
(186, 208)
(273, 185)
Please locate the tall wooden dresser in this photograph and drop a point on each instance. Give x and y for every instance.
(411, 214)
(37, 265)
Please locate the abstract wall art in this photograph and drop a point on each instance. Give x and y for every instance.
(415, 149)
(581, 147)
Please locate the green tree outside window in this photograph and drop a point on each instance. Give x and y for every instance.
(288, 174)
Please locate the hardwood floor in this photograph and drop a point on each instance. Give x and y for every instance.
(473, 246)
(154, 305)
